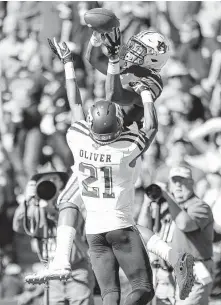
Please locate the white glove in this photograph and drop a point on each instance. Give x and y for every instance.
(96, 40)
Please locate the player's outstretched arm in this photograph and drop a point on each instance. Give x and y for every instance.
(92, 53)
(150, 116)
(115, 92)
(73, 93)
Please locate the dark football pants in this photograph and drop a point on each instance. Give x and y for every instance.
(122, 248)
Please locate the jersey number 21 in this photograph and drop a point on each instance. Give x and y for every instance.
(93, 177)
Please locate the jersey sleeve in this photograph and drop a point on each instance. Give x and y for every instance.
(154, 82)
(140, 144)
(77, 133)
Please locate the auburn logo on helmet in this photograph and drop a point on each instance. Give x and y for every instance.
(161, 47)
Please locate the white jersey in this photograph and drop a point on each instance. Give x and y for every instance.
(106, 175)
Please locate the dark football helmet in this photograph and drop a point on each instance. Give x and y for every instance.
(105, 121)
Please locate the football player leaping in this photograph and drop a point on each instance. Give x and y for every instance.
(141, 59)
(105, 154)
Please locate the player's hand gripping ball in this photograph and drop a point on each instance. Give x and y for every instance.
(112, 44)
(101, 20)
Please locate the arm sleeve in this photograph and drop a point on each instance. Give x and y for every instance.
(141, 145)
(201, 214)
(71, 139)
(77, 133)
(155, 84)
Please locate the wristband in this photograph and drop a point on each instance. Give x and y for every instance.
(69, 70)
(146, 96)
(113, 67)
(114, 61)
(95, 42)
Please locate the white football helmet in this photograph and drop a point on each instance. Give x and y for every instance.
(147, 49)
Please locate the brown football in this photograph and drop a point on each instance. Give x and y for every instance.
(101, 20)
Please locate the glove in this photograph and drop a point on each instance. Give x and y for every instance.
(139, 87)
(62, 51)
(113, 46)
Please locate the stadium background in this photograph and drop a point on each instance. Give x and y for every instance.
(34, 112)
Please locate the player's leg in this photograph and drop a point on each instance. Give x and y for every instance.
(106, 268)
(79, 291)
(133, 259)
(67, 224)
(182, 263)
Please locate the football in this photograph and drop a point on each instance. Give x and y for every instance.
(101, 20)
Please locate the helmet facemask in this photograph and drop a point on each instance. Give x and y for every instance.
(145, 52)
(135, 51)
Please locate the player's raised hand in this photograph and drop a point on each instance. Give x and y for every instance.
(139, 87)
(60, 50)
(112, 44)
(96, 40)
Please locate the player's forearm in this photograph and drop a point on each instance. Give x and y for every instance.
(73, 93)
(114, 89)
(183, 221)
(92, 55)
(150, 115)
(145, 217)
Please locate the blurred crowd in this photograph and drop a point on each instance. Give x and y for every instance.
(35, 115)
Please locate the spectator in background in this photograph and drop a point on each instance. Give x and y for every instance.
(80, 33)
(193, 231)
(28, 139)
(10, 48)
(178, 97)
(8, 203)
(154, 214)
(11, 283)
(171, 15)
(31, 294)
(209, 189)
(134, 17)
(211, 12)
(196, 51)
(78, 289)
(42, 15)
(2, 16)
(207, 138)
(177, 152)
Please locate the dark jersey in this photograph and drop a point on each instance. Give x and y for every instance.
(151, 78)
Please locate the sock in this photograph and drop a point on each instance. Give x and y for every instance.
(160, 248)
(64, 244)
